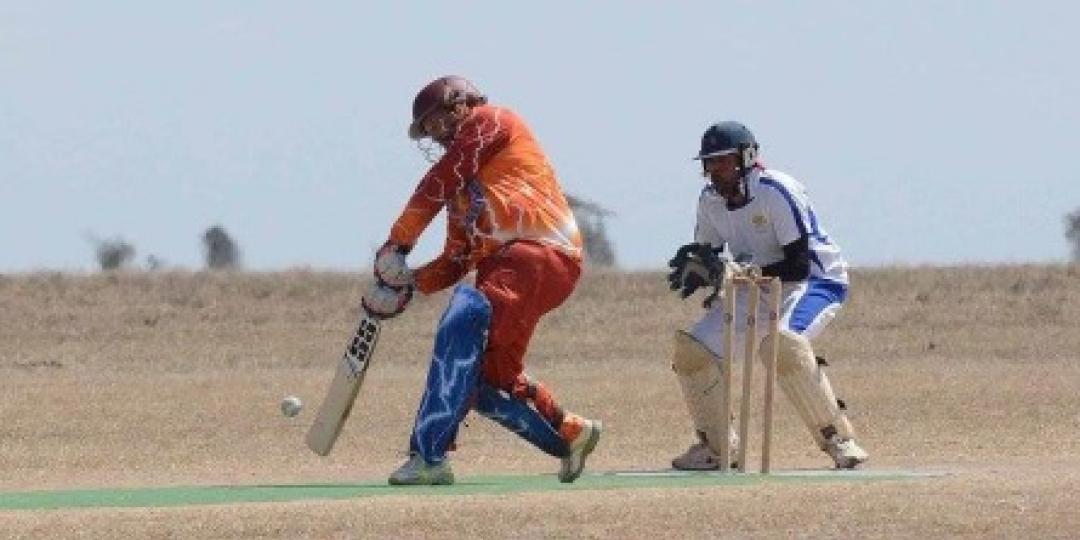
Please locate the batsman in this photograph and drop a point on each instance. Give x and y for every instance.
(508, 220)
(754, 219)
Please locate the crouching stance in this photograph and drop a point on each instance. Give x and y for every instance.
(763, 220)
(508, 220)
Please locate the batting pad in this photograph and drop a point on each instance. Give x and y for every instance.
(517, 416)
(455, 369)
(698, 372)
(805, 384)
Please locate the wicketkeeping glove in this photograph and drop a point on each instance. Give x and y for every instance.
(694, 266)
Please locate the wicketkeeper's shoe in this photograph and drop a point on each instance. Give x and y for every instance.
(697, 458)
(417, 472)
(580, 448)
(845, 453)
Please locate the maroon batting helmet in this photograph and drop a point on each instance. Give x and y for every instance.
(444, 92)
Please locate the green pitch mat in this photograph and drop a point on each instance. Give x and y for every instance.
(473, 485)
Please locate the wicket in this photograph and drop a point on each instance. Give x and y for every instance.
(753, 286)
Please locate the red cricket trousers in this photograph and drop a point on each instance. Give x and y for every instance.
(523, 281)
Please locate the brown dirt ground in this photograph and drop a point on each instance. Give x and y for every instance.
(136, 379)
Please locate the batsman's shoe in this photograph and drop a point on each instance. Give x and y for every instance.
(417, 472)
(845, 453)
(580, 448)
(697, 458)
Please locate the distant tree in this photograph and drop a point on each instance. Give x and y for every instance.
(590, 216)
(153, 262)
(221, 250)
(1072, 233)
(112, 254)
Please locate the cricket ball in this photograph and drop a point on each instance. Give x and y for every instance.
(291, 405)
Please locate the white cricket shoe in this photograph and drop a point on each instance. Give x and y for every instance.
(417, 472)
(699, 457)
(845, 453)
(580, 448)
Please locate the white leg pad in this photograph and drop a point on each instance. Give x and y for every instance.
(805, 384)
(698, 372)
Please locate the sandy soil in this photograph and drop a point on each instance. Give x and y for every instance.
(175, 378)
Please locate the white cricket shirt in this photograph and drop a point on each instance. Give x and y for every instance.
(779, 213)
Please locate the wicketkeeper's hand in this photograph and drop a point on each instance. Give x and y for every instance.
(385, 301)
(689, 272)
(694, 266)
(700, 265)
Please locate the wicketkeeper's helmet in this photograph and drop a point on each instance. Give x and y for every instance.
(729, 137)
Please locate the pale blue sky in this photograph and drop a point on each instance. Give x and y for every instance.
(927, 132)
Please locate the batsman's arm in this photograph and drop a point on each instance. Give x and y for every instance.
(449, 266)
(440, 273)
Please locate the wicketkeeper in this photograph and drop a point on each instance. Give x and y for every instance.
(762, 218)
(508, 220)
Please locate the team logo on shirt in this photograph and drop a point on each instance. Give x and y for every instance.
(760, 221)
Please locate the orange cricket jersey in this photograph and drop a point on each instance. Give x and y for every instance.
(497, 186)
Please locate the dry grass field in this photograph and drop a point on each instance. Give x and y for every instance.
(160, 379)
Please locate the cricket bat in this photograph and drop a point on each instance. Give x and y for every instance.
(348, 378)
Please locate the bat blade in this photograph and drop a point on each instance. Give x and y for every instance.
(344, 387)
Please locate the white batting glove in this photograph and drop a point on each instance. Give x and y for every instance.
(384, 301)
(391, 268)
